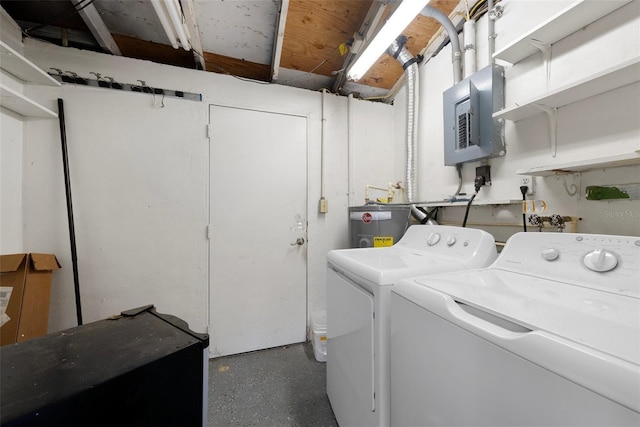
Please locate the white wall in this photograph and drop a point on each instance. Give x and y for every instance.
(11, 149)
(372, 156)
(10, 183)
(599, 126)
(139, 178)
(139, 173)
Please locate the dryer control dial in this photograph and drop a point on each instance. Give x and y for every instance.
(600, 260)
(433, 238)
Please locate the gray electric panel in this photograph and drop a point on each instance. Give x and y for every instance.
(470, 132)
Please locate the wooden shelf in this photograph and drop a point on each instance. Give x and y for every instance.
(566, 22)
(25, 70)
(18, 103)
(628, 159)
(604, 81)
(445, 203)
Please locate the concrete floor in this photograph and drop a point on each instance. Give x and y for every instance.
(283, 386)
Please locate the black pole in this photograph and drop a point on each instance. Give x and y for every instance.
(72, 229)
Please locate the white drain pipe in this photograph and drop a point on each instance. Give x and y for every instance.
(469, 32)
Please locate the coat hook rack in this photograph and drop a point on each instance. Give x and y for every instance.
(107, 82)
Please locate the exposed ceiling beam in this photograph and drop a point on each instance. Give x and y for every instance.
(279, 38)
(192, 24)
(92, 18)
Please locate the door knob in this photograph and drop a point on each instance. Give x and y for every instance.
(299, 241)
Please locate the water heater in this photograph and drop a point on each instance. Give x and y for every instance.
(377, 225)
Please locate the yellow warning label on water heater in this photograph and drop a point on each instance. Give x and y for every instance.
(382, 241)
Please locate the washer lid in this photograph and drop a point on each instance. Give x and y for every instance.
(424, 249)
(386, 266)
(604, 321)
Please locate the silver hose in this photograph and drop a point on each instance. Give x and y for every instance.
(402, 54)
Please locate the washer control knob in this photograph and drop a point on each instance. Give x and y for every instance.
(550, 254)
(451, 241)
(433, 238)
(600, 260)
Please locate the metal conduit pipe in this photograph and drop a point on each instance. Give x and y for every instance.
(491, 30)
(456, 54)
(410, 65)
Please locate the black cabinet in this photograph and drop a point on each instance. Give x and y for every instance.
(140, 368)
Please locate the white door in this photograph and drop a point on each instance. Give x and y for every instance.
(258, 250)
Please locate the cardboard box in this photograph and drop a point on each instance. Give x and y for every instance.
(25, 292)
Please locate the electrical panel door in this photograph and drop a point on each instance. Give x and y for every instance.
(470, 132)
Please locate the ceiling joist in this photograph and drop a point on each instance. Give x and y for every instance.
(300, 43)
(192, 23)
(279, 39)
(99, 30)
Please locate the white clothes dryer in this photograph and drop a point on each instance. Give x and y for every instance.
(548, 335)
(359, 283)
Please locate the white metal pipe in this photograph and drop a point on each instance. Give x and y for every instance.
(323, 119)
(438, 15)
(350, 151)
(469, 31)
(491, 30)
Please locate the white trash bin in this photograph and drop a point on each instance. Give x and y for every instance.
(319, 335)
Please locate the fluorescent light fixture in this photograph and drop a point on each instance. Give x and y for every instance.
(175, 13)
(401, 18)
(170, 16)
(166, 25)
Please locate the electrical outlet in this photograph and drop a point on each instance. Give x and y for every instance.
(324, 205)
(485, 172)
(529, 182)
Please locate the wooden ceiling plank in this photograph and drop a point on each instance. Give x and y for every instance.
(316, 29)
(132, 47)
(165, 54)
(237, 67)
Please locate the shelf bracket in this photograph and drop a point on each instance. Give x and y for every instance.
(552, 116)
(545, 48)
(571, 189)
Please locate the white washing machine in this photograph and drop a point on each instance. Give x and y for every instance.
(548, 335)
(359, 285)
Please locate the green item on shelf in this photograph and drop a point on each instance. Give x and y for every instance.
(627, 191)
